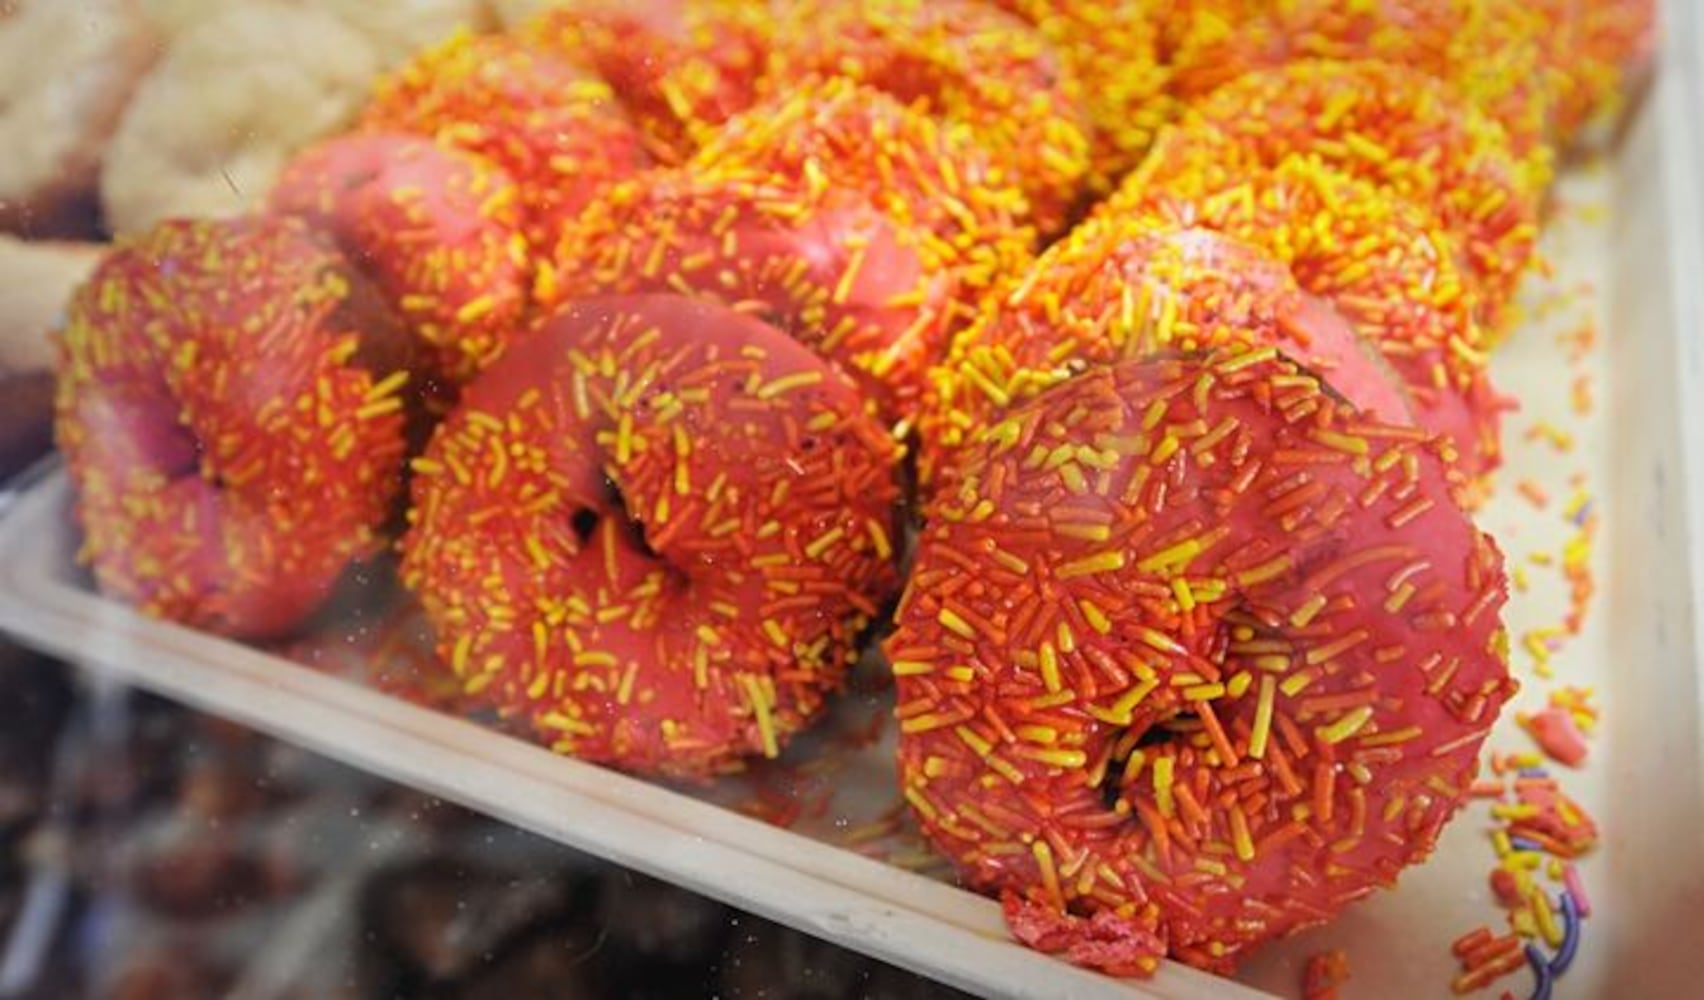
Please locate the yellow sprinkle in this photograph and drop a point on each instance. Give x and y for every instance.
(1264, 572)
(1049, 875)
(1239, 684)
(824, 542)
(773, 630)
(760, 708)
(1262, 727)
(459, 655)
(1054, 758)
(1240, 838)
(475, 309)
(879, 538)
(1306, 613)
(379, 408)
(1176, 557)
(708, 636)
(1163, 786)
(1096, 618)
(1347, 726)
(949, 619)
(975, 742)
(1185, 596)
(911, 668)
(1342, 442)
(1203, 692)
(787, 383)
(1296, 683)
(1248, 359)
(920, 803)
(1102, 562)
(1050, 667)
(388, 385)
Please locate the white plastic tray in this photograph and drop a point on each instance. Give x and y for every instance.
(1630, 230)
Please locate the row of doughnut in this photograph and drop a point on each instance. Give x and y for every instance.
(1164, 338)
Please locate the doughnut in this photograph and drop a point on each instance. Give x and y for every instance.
(1380, 261)
(826, 266)
(930, 178)
(67, 70)
(1109, 292)
(963, 62)
(1192, 657)
(555, 128)
(1112, 50)
(230, 412)
(437, 230)
(654, 533)
(189, 147)
(681, 67)
(1403, 131)
(36, 280)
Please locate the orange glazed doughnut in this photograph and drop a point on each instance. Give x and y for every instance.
(1220, 670)
(1401, 130)
(656, 531)
(438, 230)
(825, 265)
(1110, 292)
(1380, 261)
(961, 61)
(228, 407)
(681, 67)
(929, 177)
(556, 129)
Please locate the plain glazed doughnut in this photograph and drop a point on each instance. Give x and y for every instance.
(655, 532)
(227, 105)
(1192, 657)
(230, 413)
(67, 72)
(929, 177)
(1383, 263)
(825, 265)
(1403, 131)
(556, 129)
(961, 61)
(1110, 292)
(438, 231)
(681, 67)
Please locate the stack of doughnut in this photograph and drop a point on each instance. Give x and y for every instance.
(649, 337)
